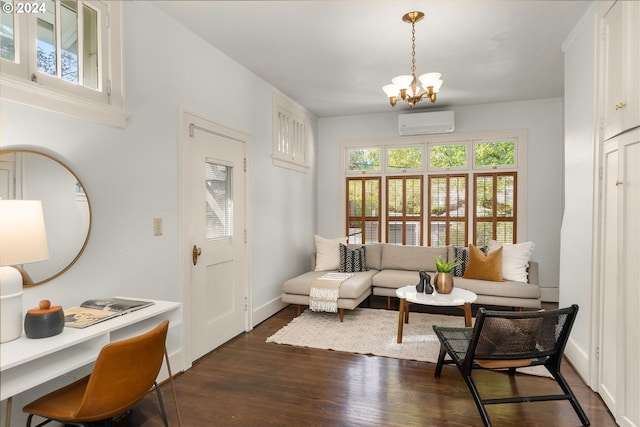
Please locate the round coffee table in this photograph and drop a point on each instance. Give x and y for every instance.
(457, 298)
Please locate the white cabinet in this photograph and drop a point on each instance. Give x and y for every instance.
(618, 228)
(620, 70)
(619, 296)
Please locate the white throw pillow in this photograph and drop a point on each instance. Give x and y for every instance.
(515, 259)
(328, 253)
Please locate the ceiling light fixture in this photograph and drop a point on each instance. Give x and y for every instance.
(406, 87)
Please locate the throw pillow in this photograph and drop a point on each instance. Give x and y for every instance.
(328, 253)
(483, 266)
(515, 259)
(461, 255)
(352, 260)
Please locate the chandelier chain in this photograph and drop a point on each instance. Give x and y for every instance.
(413, 47)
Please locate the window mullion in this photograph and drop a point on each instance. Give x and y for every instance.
(80, 24)
(58, 21)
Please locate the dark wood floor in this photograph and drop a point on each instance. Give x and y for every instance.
(248, 382)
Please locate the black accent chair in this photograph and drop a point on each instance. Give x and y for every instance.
(510, 340)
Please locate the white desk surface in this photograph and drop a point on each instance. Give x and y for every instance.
(23, 350)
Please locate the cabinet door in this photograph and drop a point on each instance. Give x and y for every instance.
(620, 68)
(607, 351)
(628, 379)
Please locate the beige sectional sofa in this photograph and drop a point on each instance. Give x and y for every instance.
(391, 267)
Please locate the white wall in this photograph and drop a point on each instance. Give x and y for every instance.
(577, 223)
(131, 174)
(541, 118)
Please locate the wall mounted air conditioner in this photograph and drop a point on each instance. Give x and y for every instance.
(426, 123)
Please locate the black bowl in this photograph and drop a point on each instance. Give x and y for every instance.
(43, 325)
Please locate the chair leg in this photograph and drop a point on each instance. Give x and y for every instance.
(441, 356)
(30, 417)
(161, 402)
(572, 398)
(476, 398)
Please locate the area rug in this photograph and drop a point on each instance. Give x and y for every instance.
(373, 332)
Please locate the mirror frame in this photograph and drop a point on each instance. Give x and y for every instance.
(86, 240)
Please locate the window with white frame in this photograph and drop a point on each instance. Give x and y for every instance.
(64, 55)
(470, 183)
(291, 136)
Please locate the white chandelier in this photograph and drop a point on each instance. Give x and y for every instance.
(406, 87)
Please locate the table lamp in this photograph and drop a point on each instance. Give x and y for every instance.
(23, 239)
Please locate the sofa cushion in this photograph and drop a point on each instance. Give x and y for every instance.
(506, 289)
(374, 255)
(484, 266)
(353, 287)
(352, 260)
(415, 258)
(396, 278)
(515, 259)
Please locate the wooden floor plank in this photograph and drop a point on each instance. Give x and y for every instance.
(248, 382)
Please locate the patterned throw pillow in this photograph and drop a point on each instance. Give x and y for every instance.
(462, 256)
(352, 260)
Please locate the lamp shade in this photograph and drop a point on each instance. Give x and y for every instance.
(390, 90)
(430, 79)
(23, 238)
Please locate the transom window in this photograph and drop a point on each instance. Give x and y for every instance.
(66, 53)
(290, 136)
(470, 181)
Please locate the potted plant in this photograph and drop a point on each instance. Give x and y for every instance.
(443, 280)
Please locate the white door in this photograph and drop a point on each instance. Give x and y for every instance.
(219, 294)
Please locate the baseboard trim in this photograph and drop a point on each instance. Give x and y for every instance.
(550, 294)
(267, 310)
(579, 359)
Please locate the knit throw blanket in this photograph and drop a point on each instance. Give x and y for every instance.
(324, 292)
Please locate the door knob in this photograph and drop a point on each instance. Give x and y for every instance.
(195, 253)
(620, 106)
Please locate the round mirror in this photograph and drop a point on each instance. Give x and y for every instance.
(30, 175)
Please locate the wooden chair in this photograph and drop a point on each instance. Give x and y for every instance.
(510, 340)
(123, 374)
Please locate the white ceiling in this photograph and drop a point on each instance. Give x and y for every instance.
(333, 57)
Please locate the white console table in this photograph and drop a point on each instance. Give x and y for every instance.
(26, 363)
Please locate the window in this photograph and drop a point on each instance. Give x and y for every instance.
(404, 210)
(404, 159)
(363, 200)
(219, 200)
(447, 156)
(494, 154)
(290, 146)
(70, 51)
(495, 208)
(471, 189)
(363, 160)
(447, 210)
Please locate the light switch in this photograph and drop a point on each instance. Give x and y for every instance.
(157, 226)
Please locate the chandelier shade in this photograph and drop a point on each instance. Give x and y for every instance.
(408, 87)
